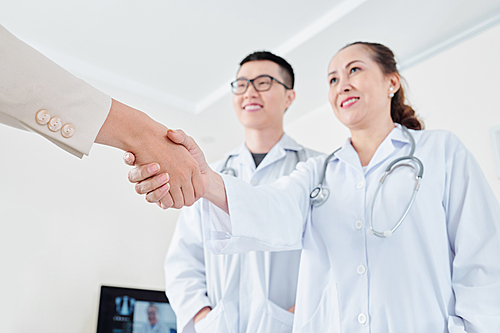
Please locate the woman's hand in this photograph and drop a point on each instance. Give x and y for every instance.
(156, 186)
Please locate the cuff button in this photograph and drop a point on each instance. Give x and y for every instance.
(67, 131)
(55, 124)
(42, 117)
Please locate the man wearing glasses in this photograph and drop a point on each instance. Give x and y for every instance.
(251, 292)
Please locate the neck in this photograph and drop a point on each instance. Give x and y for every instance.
(260, 141)
(366, 140)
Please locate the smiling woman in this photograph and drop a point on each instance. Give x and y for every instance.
(446, 248)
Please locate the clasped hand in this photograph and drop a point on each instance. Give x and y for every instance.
(158, 186)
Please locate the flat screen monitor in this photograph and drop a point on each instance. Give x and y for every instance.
(128, 310)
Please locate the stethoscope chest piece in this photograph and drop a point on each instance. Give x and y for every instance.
(319, 195)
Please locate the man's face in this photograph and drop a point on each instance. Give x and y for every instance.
(262, 110)
(152, 315)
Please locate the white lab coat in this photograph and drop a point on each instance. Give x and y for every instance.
(247, 292)
(439, 272)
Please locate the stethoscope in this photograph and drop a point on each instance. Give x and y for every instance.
(227, 170)
(321, 193)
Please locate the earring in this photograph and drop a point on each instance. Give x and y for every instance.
(391, 95)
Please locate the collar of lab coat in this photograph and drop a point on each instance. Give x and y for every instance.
(392, 143)
(242, 155)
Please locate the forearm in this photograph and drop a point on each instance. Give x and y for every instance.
(128, 129)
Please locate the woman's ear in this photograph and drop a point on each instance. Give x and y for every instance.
(395, 82)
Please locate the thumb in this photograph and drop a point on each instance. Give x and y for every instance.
(181, 138)
(177, 136)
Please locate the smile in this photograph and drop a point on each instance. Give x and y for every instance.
(349, 102)
(252, 107)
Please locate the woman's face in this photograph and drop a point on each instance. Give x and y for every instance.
(359, 90)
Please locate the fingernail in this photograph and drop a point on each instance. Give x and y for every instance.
(162, 178)
(153, 168)
(165, 187)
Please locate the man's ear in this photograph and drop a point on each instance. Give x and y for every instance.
(290, 97)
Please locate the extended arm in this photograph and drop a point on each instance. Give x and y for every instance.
(39, 96)
(262, 218)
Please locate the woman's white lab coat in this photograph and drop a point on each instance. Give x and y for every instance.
(439, 272)
(248, 292)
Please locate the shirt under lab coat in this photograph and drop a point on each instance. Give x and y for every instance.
(439, 272)
(247, 292)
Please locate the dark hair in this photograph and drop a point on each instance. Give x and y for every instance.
(286, 69)
(401, 113)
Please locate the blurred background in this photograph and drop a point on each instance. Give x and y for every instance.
(69, 226)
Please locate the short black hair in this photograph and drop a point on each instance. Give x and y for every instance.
(286, 69)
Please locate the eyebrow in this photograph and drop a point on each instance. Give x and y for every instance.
(246, 78)
(349, 64)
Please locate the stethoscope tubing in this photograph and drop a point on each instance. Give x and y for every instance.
(320, 193)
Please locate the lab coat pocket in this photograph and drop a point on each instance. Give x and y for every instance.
(275, 319)
(215, 322)
(326, 317)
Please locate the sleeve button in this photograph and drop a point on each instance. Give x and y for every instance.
(55, 124)
(67, 131)
(42, 117)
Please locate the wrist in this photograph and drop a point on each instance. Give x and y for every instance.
(127, 128)
(216, 191)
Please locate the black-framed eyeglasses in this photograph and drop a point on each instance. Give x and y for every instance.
(260, 83)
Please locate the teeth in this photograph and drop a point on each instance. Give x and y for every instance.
(252, 107)
(350, 100)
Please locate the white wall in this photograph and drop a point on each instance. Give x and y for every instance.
(457, 90)
(68, 226)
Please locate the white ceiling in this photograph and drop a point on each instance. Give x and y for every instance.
(175, 59)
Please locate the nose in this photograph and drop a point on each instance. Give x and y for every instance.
(344, 85)
(251, 92)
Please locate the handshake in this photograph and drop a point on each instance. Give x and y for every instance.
(181, 182)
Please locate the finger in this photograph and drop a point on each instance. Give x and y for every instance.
(152, 183)
(142, 172)
(129, 158)
(177, 197)
(158, 194)
(188, 194)
(167, 201)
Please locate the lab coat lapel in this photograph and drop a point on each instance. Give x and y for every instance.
(387, 148)
(392, 143)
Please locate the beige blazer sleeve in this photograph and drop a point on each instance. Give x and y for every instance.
(72, 110)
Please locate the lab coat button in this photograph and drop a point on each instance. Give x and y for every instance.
(55, 124)
(254, 182)
(361, 269)
(362, 318)
(358, 224)
(67, 131)
(42, 117)
(360, 185)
